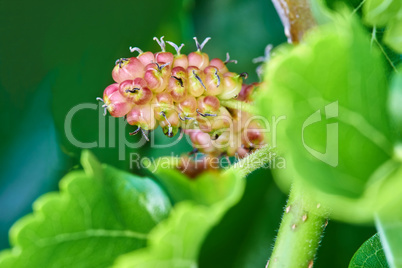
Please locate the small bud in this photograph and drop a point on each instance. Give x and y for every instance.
(202, 141)
(218, 63)
(234, 146)
(136, 91)
(232, 86)
(208, 104)
(127, 69)
(164, 57)
(188, 106)
(178, 84)
(246, 92)
(146, 58)
(157, 76)
(240, 119)
(222, 122)
(198, 59)
(223, 141)
(162, 102)
(116, 104)
(180, 61)
(242, 152)
(215, 125)
(195, 81)
(142, 116)
(213, 81)
(253, 135)
(171, 123)
(188, 112)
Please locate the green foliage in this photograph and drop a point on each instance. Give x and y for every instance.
(369, 255)
(393, 35)
(336, 71)
(389, 218)
(244, 236)
(380, 13)
(99, 214)
(388, 14)
(206, 189)
(176, 241)
(333, 91)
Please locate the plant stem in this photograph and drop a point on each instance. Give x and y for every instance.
(296, 17)
(303, 221)
(260, 158)
(300, 232)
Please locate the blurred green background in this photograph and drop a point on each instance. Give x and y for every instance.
(55, 55)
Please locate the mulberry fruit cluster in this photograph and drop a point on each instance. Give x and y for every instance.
(182, 92)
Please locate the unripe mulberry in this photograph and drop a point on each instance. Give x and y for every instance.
(184, 92)
(116, 104)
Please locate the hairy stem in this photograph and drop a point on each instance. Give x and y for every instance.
(296, 17)
(303, 222)
(300, 232)
(260, 158)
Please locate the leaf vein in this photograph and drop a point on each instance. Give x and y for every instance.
(67, 237)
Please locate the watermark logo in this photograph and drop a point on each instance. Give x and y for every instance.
(331, 153)
(108, 137)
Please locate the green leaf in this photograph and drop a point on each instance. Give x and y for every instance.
(388, 14)
(176, 242)
(389, 217)
(331, 93)
(99, 214)
(393, 34)
(207, 189)
(369, 255)
(379, 12)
